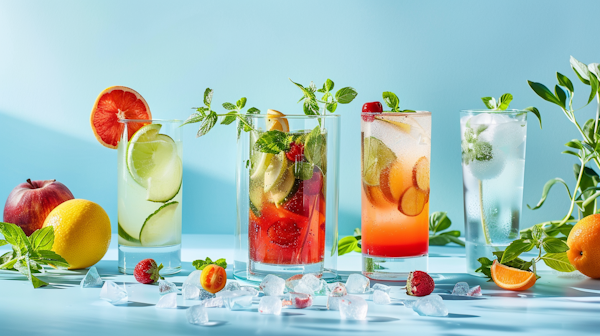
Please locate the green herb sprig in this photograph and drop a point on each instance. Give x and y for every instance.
(393, 102)
(329, 101)
(29, 254)
(201, 264)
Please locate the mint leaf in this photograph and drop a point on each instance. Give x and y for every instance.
(253, 110)
(391, 100)
(485, 267)
(347, 245)
(231, 117)
(201, 264)
(515, 249)
(439, 221)
(273, 142)
(208, 94)
(221, 262)
(229, 106)
(207, 124)
(504, 101)
(345, 95)
(558, 261)
(489, 102)
(303, 170)
(241, 103)
(311, 107)
(3, 242)
(483, 151)
(42, 239)
(195, 117)
(15, 236)
(315, 148)
(328, 86)
(331, 107)
(24, 268)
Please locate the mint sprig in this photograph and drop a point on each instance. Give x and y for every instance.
(29, 254)
(393, 102)
(472, 147)
(201, 264)
(328, 100)
(502, 103)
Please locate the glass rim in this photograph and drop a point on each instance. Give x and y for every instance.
(423, 113)
(294, 116)
(510, 111)
(124, 121)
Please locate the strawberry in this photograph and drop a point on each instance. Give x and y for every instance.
(147, 272)
(419, 284)
(296, 152)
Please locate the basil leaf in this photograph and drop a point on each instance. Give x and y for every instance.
(347, 245)
(544, 93)
(438, 240)
(504, 101)
(554, 245)
(561, 95)
(345, 95)
(391, 100)
(439, 221)
(42, 239)
(565, 81)
(328, 85)
(515, 249)
(565, 229)
(488, 102)
(558, 261)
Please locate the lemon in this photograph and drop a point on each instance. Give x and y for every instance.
(376, 157)
(81, 232)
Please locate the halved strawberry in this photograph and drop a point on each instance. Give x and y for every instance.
(284, 232)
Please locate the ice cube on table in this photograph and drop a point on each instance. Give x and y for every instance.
(353, 308)
(114, 293)
(214, 302)
(324, 289)
(381, 287)
(475, 291)
(232, 286)
(197, 314)
(270, 305)
(292, 281)
(337, 289)
(333, 302)
(166, 287)
(380, 297)
(301, 300)
(311, 281)
(242, 301)
(357, 284)
(168, 301)
(303, 288)
(251, 290)
(272, 285)
(431, 305)
(91, 279)
(461, 289)
(191, 286)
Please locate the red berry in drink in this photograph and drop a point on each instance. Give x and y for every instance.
(371, 107)
(296, 152)
(314, 185)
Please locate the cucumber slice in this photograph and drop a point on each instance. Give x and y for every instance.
(275, 171)
(284, 188)
(160, 228)
(123, 234)
(256, 195)
(261, 162)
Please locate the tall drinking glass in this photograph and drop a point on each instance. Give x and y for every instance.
(287, 201)
(395, 193)
(149, 202)
(493, 161)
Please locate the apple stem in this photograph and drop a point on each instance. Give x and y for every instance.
(29, 181)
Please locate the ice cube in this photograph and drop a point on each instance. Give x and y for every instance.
(311, 281)
(292, 281)
(250, 290)
(197, 314)
(380, 297)
(301, 300)
(91, 279)
(232, 286)
(324, 289)
(333, 302)
(191, 286)
(431, 305)
(357, 284)
(114, 293)
(337, 289)
(270, 305)
(303, 288)
(382, 288)
(166, 287)
(475, 291)
(461, 289)
(214, 302)
(167, 301)
(353, 308)
(487, 170)
(272, 285)
(235, 300)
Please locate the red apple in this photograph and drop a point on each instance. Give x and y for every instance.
(29, 204)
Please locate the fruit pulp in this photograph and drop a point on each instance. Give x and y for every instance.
(287, 212)
(145, 221)
(395, 186)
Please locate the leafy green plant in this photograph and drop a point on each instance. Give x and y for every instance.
(201, 264)
(550, 236)
(29, 254)
(438, 223)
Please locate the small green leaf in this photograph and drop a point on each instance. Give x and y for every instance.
(347, 245)
(481, 129)
(231, 117)
(581, 70)
(207, 124)
(221, 262)
(438, 240)
(273, 142)
(489, 102)
(194, 118)
(575, 143)
(229, 106)
(311, 107)
(314, 147)
(515, 249)
(558, 261)
(208, 94)
(303, 170)
(544, 93)
(564, 81)
(357, 232)
(391, 100)
(504, 101)
(554, 245)
(537, 232)
(42, 239)
(546, 190)
(485, 267)
(15, 236)
(328, 85)
(594, 87)
(331, 107)
(561, 95)
(3, 242)
(48, 257)
(536, 112)
(345, 95)
(241, 103)
(565, 229)
(253, 110)
(439, 221)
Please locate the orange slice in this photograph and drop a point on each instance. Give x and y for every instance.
(113, 104)
(413, 201)
(394, 180)
(512, 278)
(375, 196)
(277, 121)
(421, 174)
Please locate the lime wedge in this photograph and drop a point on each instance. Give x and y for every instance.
(160, 228)
(153, 162)
(376, 157)
(275, 171)
(283, 189)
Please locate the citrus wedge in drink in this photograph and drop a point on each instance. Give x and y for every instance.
(153, 162)
(160, 228)
(377, 157)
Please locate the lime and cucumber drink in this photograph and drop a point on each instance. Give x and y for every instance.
(149, 195)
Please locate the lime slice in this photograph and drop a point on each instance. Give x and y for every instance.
(283, 189)
(376, 157)
(275, 171)
(261, 162)
(153, 162)
(123, 234)
(256, 195)
(160, 228)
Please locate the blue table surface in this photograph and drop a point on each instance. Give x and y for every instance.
(557, 304)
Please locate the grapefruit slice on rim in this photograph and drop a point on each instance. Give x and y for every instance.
(113, 104)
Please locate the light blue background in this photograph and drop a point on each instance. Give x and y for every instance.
(441, 56)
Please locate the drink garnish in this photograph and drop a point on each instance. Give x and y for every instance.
(201, 264)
